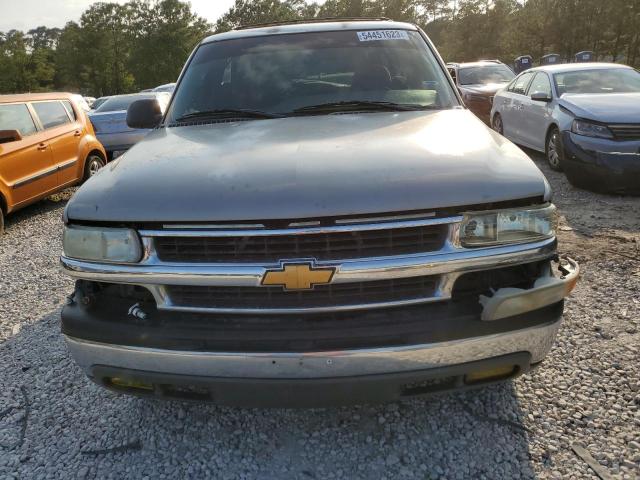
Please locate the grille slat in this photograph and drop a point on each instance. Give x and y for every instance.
(626, 132)
(341, 294)
(321, 246)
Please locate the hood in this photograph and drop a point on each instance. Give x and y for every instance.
(309, 167)
(110, 122)
(604, 107)
(489, 88)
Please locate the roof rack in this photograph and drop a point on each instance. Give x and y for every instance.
(490, 60)
(313, 20)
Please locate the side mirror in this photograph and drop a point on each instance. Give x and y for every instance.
(540, 97)
(7, 136)
(145, 113)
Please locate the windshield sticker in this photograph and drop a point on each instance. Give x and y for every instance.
(373, 35)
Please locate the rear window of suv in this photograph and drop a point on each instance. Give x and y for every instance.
(51, 114)
(281, 73)
(16, 116)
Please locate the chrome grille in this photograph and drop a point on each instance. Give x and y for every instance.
(626, 132)
(331, 295)
(335, 245)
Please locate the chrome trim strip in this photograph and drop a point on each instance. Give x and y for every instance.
(353, 221)
(462, 260)
(454, 260)
(286, 365)
(301, 231)
(214, 226)
(164, 302)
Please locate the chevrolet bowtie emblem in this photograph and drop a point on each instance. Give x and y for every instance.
(298, 276)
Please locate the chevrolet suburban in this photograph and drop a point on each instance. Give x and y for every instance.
(316, 219)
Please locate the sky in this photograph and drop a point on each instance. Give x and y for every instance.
(27, 14)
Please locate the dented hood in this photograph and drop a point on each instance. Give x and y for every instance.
(309, 167)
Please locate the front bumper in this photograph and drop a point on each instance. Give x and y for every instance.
(432, 341)
(313, 378)
(602, 165)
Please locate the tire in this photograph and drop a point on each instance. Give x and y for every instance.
(497, 124)
(1, 221)
(554, 150)
(94, 163)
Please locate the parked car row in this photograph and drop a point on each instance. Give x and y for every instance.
(51, 141)
(585, 117)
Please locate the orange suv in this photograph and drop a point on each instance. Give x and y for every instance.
(47, 143)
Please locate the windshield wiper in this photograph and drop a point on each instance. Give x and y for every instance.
(227, 112)
(360, 105)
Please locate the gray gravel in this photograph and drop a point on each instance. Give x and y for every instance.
(54, 423)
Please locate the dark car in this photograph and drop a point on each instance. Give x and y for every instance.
(316, 219)
(478, 82)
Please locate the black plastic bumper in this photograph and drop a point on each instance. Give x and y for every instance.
(307, 393)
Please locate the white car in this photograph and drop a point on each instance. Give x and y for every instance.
(584, 117)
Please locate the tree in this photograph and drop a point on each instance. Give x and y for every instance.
(162, 35)
(120, 48)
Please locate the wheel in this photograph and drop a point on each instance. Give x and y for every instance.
(94, 163)
(497, 124)
(555, 150)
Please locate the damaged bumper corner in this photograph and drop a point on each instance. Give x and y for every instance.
(547, 290)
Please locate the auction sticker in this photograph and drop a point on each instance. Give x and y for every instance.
(373, 35)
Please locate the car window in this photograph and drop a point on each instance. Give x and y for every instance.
(17, 117)
(51, 114)
(120, 102)
(614, 80)
(70, 110)
(282, 73)
(541, 84)
(519, 85)
(485, 74)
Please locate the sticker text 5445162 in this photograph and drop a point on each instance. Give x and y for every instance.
(373, 35)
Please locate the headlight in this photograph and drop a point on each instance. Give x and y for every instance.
(117, 245)
(588, 129)
(500, 227)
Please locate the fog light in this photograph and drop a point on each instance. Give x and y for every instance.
(128, 383)
(492, 374)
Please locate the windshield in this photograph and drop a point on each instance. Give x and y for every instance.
(120, 102)
(485, 75)
(278, 74)
(614, 80)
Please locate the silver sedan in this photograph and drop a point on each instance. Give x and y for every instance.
(584, 117)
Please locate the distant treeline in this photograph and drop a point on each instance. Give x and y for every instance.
(144, 43)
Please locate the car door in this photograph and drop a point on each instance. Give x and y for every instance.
(513, 123)
(26, 166)
(536, 114)
(64, 137)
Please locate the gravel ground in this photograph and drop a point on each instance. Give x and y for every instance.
(54, 423)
